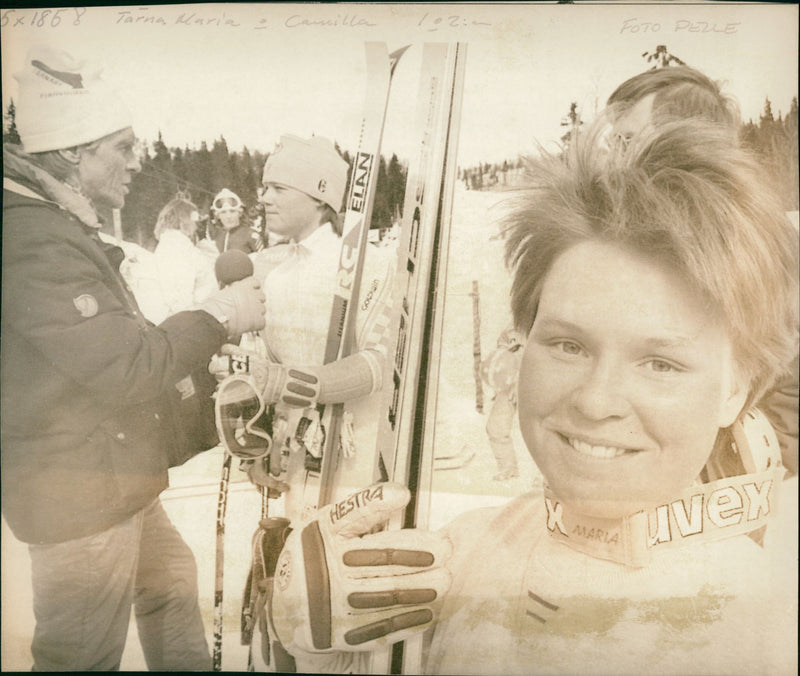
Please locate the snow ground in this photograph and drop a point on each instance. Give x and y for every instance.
(191, 500)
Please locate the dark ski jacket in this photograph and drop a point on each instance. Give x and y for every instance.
(241, 237)
(85, 378)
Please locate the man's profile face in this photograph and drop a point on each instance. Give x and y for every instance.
(626, 379)
(105, 169)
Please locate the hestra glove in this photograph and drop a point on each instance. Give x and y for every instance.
(338, 589)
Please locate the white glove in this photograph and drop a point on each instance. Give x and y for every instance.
(294, 386)
(300, 386)
(239, 306)
(234, 359)
(338, 589)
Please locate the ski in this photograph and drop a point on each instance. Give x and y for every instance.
(321, 463)
(408, 389)
(404, 440)
(219, 561)
(320, 471)
(422, 259)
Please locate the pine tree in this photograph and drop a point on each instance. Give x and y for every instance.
(138, 205)
(573, 121)
(251, 175)
(179, 169)
(775, 142)
(662, 58)
(10, 133)
(396, 180)
(222, 176)
(200, 172)
(381, 211)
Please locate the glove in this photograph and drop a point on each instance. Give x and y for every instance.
(239, 306)
(294, 386)
(234, 359)
(337, 589)
(301, 386)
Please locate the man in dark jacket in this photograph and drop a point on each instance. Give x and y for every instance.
(91, 391)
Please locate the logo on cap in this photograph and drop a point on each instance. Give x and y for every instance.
(74, 80)
(323, 184)
(86, 304)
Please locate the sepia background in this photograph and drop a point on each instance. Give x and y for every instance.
(213, 86)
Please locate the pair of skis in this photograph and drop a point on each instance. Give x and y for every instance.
(403, 449)
(319, 485)
(319, 478)
(411, 371)
(405, 440)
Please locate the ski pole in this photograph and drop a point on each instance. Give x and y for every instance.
(222, 503)
(476, 345)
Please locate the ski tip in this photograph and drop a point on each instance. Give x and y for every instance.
(394, 57)
(397, 53)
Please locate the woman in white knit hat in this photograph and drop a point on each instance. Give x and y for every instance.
(304, 184)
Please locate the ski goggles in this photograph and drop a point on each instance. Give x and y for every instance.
(242, 419)
(227, 203)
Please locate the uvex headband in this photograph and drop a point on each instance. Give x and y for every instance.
(724, 507)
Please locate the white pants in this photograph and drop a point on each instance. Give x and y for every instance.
(83, 591)
(498, 428)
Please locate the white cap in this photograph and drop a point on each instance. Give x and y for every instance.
(64, 103)
(310, 165)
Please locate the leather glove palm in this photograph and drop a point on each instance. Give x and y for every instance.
(338, 588)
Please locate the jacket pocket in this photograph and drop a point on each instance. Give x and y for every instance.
(136, 445)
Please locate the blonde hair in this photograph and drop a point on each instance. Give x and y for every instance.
(683, 194)
(680, 92)
(178, 214)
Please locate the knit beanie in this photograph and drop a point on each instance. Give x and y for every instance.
(310, 165)
(64, 103)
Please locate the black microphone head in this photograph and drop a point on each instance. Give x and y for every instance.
(231, 266)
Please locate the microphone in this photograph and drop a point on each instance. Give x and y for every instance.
(231, 266)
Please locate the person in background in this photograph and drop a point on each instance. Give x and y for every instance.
(255, 215)
(659, 96)
(91, 391)
(185, 274)
(231, 232)
(664, 94)
(650, 339)
(500, 371)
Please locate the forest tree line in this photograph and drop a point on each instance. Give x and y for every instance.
(203, 172)
(773, 139)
